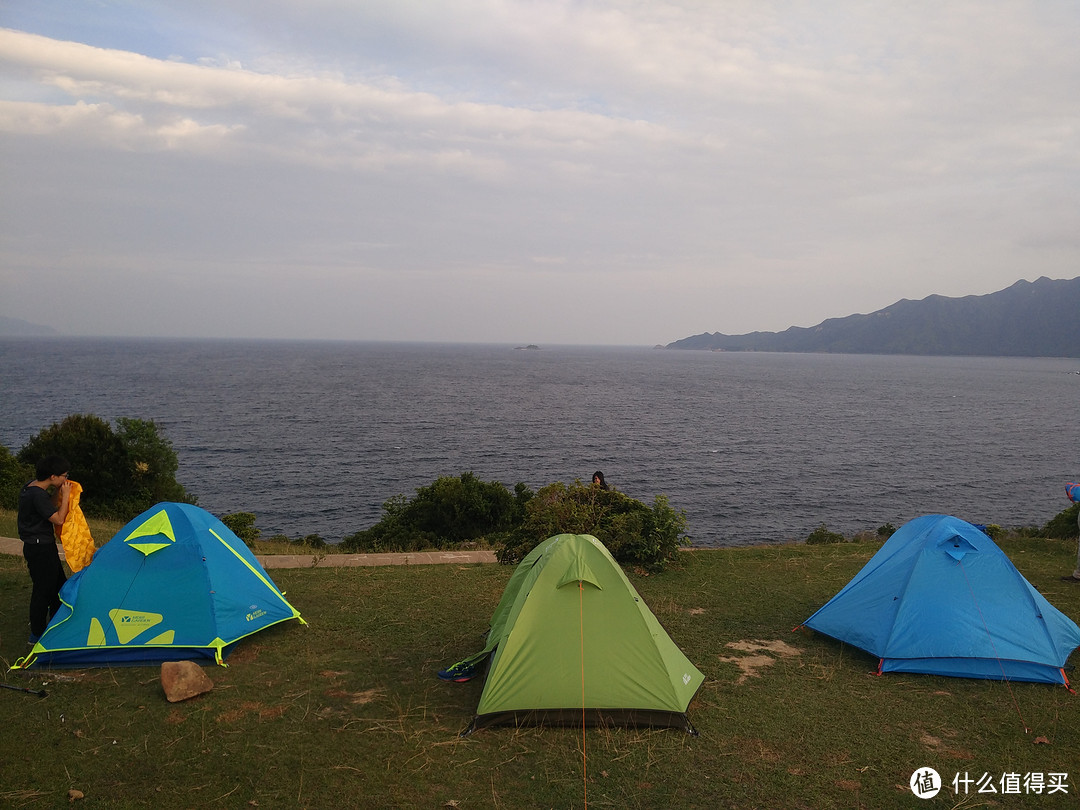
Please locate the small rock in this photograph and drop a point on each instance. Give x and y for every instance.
(183, 679)
(73, 795)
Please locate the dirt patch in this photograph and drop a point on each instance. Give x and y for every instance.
(245, 653)
(756, 645)
(356, 698)
(942, 748)
(175, 717)
(750, 666)
(753, 749)
(251, 707)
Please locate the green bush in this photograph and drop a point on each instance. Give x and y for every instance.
(444, 514)
(122, 472)
(822, 535)
(633, 532)
(886, 530)
(1063, 525)
(13, 476)
(153, 463)
(242, 524)
(311, 541)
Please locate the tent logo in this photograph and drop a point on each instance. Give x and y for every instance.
(925, 783)
(130, 623)
(253, 615)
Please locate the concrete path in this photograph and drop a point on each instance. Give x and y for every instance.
(10, 545)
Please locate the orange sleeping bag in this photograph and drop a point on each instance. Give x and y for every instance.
(75, 533)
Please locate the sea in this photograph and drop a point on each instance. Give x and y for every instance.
(755, 448)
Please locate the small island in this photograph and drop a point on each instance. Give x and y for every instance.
(530, 346)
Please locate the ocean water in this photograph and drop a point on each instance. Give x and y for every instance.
(756, 448)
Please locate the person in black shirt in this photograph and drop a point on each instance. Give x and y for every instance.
(38, 514)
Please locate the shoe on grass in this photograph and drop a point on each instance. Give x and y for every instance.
(458, 673)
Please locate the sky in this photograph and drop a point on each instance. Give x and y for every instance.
(527, 171)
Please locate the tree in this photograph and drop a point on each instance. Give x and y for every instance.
(122, 473)
(154, 462)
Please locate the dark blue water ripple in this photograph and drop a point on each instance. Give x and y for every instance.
(314, 437)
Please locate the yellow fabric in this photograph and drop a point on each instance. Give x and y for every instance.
(158, 527)
(75, 533)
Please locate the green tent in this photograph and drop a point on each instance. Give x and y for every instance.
(571, 641)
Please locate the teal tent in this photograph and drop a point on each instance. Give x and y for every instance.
(941, 598)
(572, 642)
(174, 584)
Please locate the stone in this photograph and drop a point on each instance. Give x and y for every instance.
(183, 679)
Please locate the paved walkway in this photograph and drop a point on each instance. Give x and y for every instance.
(10, 545)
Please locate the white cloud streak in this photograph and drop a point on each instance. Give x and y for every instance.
(727, 166)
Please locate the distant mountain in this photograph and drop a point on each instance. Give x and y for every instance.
(17, 327)
(1028, 319)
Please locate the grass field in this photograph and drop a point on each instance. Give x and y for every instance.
(347, 712)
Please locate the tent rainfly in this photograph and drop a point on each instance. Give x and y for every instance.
(174, 584)
(939, 597)
(572, 642)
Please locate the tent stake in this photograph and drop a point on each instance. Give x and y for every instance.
(38, 692)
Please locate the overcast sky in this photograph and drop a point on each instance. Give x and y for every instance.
(593, 172)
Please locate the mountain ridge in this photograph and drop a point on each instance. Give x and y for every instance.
(1027, 319)
(17, 327)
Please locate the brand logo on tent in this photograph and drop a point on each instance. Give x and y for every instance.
(130, 623)
(253, 615)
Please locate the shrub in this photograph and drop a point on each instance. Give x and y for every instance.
(1063, 525)
(13, 476)
(122, 473)
(633, 532)
(242, 524)
(311, 541)
(886, 531)
(153, 463)
(822, 535)
(444, 514)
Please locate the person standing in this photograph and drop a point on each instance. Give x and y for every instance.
(38, 514)
(598, 480)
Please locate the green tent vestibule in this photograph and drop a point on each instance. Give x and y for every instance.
(571, 641)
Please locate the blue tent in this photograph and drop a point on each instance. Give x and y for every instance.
(174, 584)
(941, 598)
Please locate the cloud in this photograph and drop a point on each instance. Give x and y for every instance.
(721, 166)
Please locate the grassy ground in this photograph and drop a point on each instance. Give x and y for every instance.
(347, 712)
